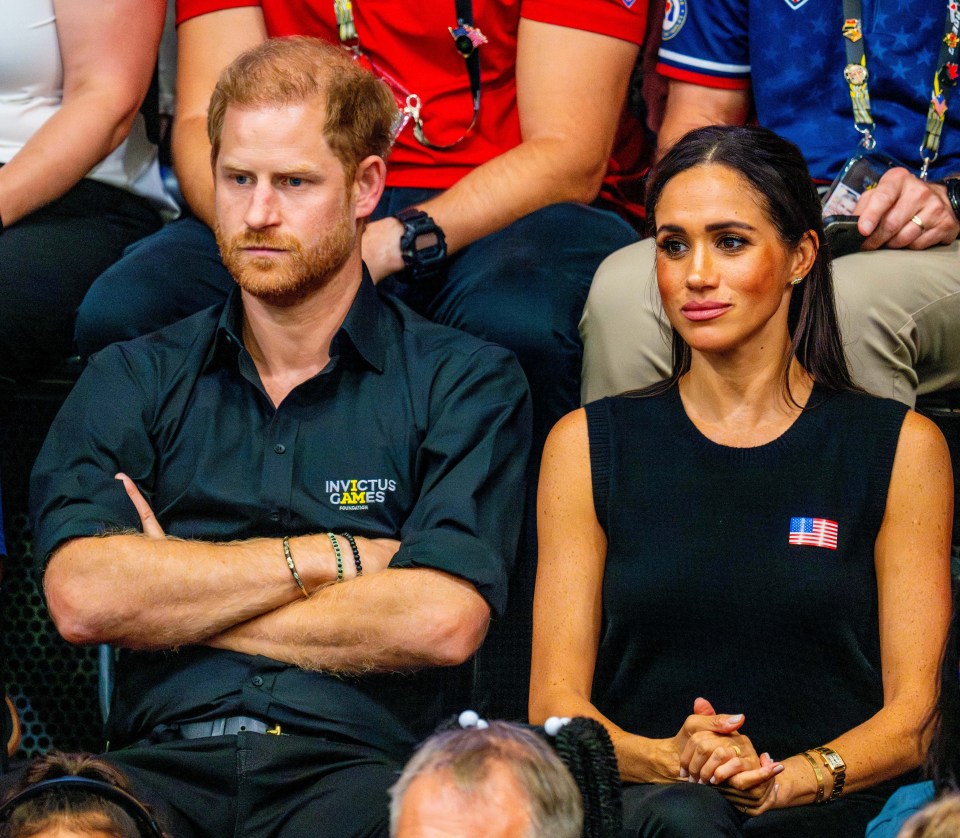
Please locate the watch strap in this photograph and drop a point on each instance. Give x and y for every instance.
(952, 185)
(421, 259)
(837, 767)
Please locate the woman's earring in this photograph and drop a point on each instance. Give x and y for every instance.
(796, 280)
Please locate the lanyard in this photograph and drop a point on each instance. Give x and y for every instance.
(856, 75)
(467, 40)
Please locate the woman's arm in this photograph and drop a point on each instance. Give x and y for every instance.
(566, 616)
(108, 49)
(913, 580)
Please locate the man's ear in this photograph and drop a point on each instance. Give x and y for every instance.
(368, 184)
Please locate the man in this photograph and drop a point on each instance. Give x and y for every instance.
(899, 298)
(499, 781)
(305, 434)
(493, 187)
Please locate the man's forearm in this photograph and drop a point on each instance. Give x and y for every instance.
(567, 135)
(149, 593)
(397, 620)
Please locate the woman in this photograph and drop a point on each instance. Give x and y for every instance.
(79, 180)
(753, 530)
(74, 796)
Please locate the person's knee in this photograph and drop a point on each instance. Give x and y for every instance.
(626, 339)
(161, 279)
(621, 286)
(677, 810)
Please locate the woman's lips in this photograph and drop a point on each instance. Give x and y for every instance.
(704, 310)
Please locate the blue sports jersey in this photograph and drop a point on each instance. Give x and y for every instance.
(796, 49)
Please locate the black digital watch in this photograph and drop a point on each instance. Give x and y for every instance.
(422, 245)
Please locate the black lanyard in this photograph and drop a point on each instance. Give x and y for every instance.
(467, 40)
(856, 75)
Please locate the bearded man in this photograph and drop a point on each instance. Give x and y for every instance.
(322, 478)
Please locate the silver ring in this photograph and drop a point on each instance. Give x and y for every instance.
(919, 222)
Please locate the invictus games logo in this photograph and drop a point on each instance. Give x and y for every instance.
(351, 495)
(674, 16)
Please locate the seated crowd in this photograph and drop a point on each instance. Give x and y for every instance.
(345, 488)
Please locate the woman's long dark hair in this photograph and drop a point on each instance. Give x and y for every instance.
(776, 170)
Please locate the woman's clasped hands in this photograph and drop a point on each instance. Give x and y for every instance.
(714, 752)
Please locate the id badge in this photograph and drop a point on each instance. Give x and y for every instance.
(860, 173)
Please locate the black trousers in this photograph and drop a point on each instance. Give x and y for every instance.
(49, 259)
(259, 786)
(690, 810)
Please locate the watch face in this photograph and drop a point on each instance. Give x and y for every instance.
(426, 240)
(834, 760)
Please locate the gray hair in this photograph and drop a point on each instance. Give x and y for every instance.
(553, 800)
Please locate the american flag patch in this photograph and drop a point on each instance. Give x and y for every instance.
(814, 532)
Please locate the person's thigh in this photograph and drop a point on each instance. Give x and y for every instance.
(899, 314)
(626, 337)
(844, 818)
(161, 279)
(524, 287)
(301, 787)
(192, 785)
(677, 810)
(48, 261)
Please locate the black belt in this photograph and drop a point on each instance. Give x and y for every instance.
(227, 726)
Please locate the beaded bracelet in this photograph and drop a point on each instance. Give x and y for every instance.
(356, 553)
(293, 568)
(338, 554)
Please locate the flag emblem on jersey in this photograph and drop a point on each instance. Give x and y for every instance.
(813, 532)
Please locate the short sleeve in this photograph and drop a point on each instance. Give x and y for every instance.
(73, 492)
(471, 468)
(706, 43)
(187, 9)
(624, 19)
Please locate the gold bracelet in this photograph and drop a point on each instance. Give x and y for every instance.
(816, 770)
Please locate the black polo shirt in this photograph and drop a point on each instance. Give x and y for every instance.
(413, 431)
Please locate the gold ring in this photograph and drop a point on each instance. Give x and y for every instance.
(919, 222)
(743, 809)
(737, 749)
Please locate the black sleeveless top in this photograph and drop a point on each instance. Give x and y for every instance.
(725, 576)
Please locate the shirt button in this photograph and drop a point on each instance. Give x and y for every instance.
(274, 516)
(279, 448)
(257, 681)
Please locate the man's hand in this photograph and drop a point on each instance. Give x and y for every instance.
(148, 521)
(903, 211)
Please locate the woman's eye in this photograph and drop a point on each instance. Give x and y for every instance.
(731, 243)
(671, 247)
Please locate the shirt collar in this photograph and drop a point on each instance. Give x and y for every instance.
(361, 327)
